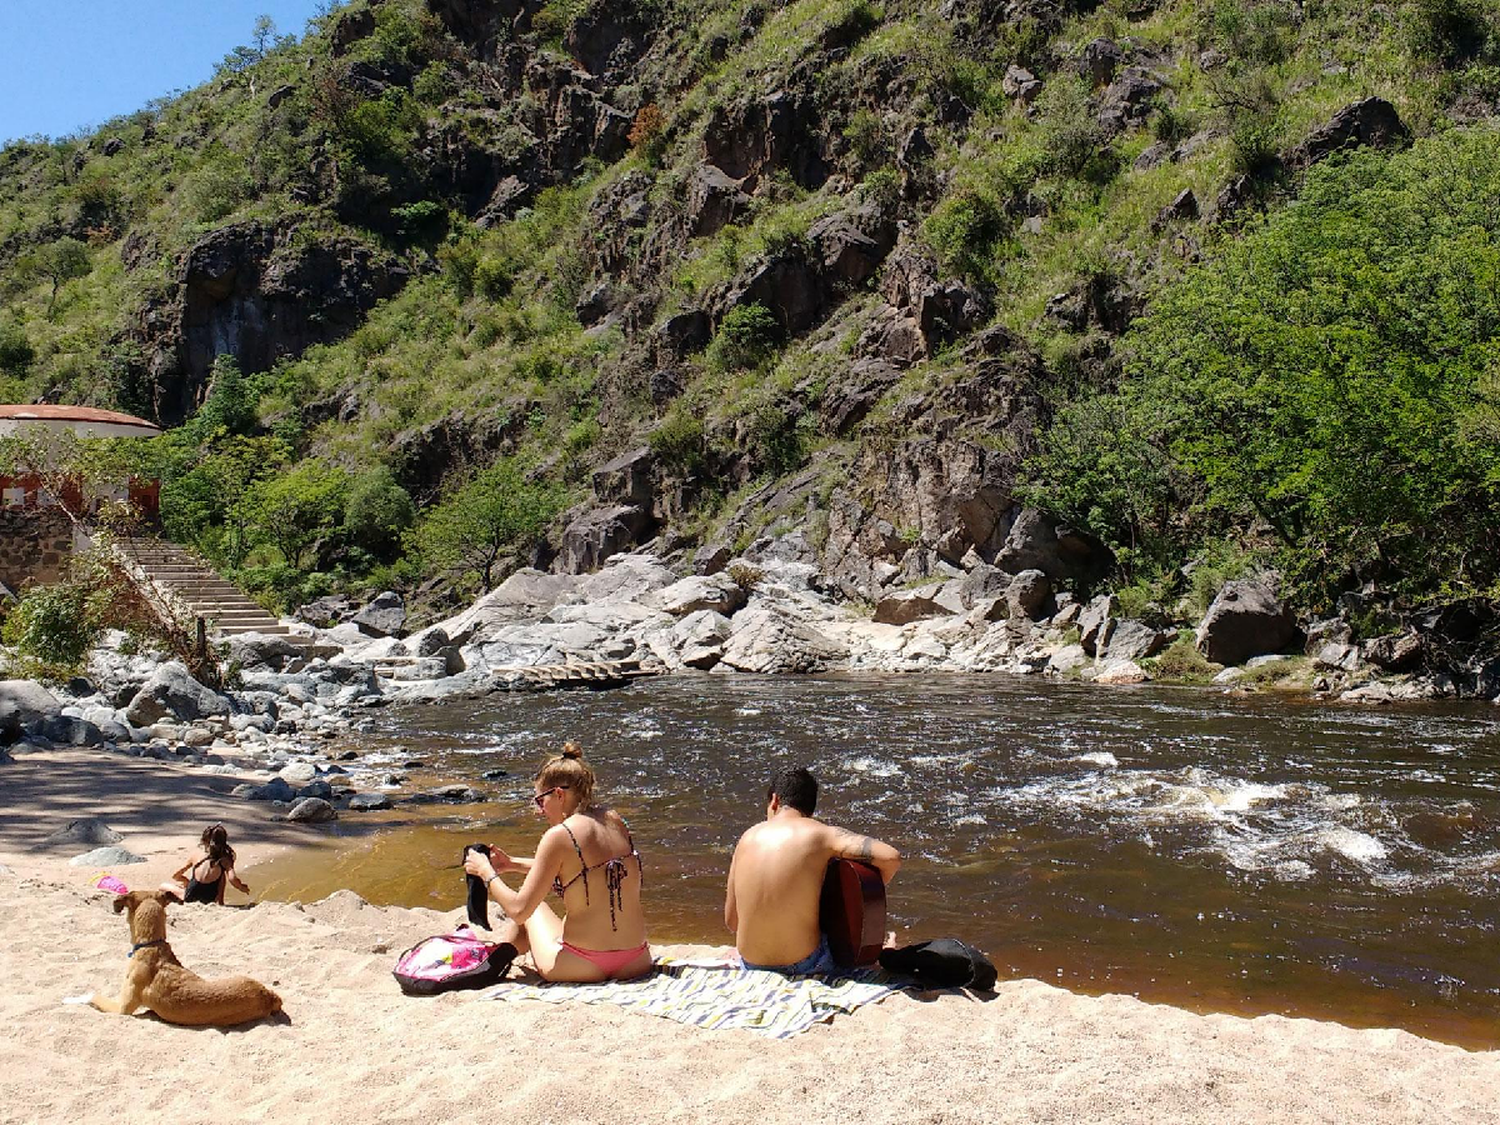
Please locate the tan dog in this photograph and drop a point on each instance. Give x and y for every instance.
(155, 979)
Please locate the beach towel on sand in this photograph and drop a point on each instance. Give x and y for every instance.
(718, 995)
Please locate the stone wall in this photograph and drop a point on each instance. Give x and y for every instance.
(36, 544)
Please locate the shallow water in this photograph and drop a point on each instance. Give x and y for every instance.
(1248, 855)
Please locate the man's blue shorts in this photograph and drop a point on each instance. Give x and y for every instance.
(820, 960)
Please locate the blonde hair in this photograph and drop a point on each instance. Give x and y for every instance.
(568, 770)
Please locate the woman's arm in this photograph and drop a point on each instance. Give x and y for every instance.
(540, 871)
(235, 879)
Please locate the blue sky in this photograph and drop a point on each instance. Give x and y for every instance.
(69, 65)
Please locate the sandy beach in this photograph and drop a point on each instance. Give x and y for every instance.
(353, 1047)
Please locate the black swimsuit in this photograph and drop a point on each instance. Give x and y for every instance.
(203, 892)
(614, 872)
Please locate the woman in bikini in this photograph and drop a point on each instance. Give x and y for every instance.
(588, 859)
(202, 878)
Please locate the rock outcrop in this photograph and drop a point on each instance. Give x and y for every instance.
(1246, 619)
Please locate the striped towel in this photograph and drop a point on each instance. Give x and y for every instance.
(717, 995)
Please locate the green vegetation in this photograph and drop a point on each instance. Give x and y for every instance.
(498, 512)
(1329, 378)
(1313, 389)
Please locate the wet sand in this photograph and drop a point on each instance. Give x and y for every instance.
(353, 1047)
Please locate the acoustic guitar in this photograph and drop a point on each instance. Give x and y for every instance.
(852, 912)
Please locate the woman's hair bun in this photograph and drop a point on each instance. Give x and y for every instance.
(572, 750)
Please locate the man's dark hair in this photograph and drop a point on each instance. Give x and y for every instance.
(796, 787)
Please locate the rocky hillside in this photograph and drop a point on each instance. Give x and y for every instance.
(447, 287)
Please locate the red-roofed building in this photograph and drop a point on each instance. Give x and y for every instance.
(40, 510)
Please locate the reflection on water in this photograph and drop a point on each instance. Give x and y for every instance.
(1251, 855)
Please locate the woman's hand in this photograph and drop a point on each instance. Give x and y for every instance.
(502, 861)
(477, 863)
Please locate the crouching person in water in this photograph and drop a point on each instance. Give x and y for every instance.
(202, 878)
(776, 878)
(588, 859)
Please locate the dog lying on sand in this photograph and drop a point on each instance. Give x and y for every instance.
(156, 980)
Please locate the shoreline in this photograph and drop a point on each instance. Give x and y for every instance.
(1032, 1052)
(159, 809)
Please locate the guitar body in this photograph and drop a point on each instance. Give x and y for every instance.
(852, 912)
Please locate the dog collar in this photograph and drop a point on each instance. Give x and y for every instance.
(144, 944)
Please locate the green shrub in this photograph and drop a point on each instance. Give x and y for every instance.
(865, 133)
(964, 229)
(217, 185)
(380, 131)
(678, 441)
(378, 513)
(52, 628)
(1181, 662)
(1074, 142)
(16, 352)
(296, 507)
(425, 218)
(1448, 32)
(1258, 31)
(882, 187)
(747, 337)
(776, 438)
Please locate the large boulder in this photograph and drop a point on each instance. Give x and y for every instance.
(715, 200)
(1096, 623)
(86, 830)
(769, 640)
(173, 693)
(906, 606)
(1372, 121)
(597, 534)
(1128, 100)
(312, 810)
(1245, 620)
(626, 479)
(717, 592)
(699, 638)
(266, 650)
(22, 703)
(384, 616)
(106, 857)
(69, 730)
(1135, 640)
(1028, 595)
(1395, 652)
(1062, 553)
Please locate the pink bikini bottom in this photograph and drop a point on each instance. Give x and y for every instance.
(609, 961)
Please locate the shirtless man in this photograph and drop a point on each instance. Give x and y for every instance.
(776, 878)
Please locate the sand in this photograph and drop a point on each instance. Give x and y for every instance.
(353, 1048)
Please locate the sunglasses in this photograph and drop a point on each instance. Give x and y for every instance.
(540, 799)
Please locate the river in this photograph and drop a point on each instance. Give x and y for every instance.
(1242, 854)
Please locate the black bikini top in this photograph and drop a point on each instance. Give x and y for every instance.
(615, 871)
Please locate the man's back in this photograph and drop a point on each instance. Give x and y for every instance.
(774, 883)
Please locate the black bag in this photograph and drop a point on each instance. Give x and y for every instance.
(942, 963)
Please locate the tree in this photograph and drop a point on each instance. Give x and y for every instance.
(293, 509)
(230, 404)
(378, 512)
(59, 262)
(262, 35)
(494, 513)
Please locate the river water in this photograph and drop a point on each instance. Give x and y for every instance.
(1249, 855)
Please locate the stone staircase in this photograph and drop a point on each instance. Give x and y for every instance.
(187, 581)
